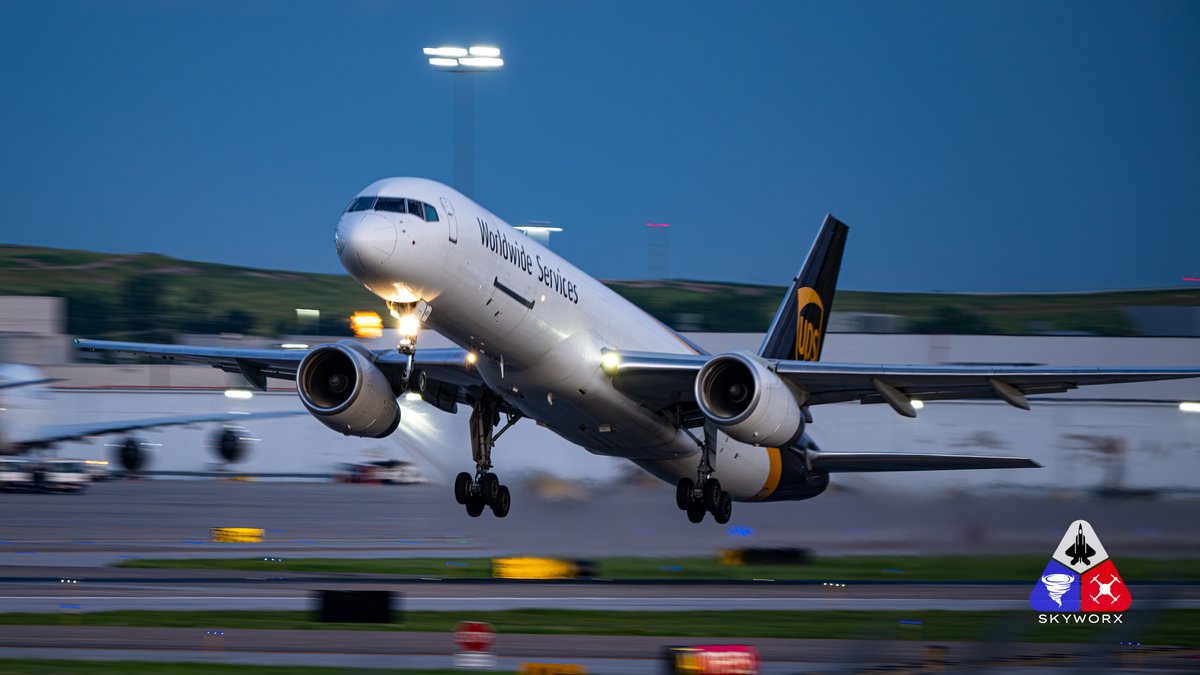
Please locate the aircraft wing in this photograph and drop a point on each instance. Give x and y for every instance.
(662, 380)
(846, 462)
(49, 435)
(447, 370)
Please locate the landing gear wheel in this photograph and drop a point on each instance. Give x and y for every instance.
(696, 513)
(462, 487)
(489, 487)
(724, 509)
(502, 502)
(683, 493)
(712, 494)
(474, 506)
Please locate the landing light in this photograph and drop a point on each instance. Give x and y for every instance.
(609, 361)
(917, 404)
(471, 358)
(410, 325)
(238, 393)
(443, 62)
(1189, 406)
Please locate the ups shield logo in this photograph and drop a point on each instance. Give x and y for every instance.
(810, 314)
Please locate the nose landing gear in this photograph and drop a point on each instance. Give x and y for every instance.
(484, 488)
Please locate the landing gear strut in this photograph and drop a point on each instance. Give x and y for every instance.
(704, 495)
(484, 488)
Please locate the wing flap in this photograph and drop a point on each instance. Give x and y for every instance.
(857, 462)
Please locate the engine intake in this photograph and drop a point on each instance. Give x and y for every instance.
(747, 400)
(343, 388)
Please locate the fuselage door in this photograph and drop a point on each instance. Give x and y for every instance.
(451, 220)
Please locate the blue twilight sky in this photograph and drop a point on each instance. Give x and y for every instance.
(970, 145)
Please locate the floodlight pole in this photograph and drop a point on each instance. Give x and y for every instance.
(463, 132)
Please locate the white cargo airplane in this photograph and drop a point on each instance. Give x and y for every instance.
(541, 339)
(24, 398)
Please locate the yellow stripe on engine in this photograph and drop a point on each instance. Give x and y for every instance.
(773, 474)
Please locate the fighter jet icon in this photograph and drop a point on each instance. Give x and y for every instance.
(1080, 550)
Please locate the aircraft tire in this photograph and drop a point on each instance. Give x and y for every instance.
(475, 506)
(503, 502)
(724, 509)
(462, 487)
(712, 494)
(683, 493)
(696, 513)
(489, 487)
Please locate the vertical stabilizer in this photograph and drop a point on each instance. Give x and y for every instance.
(798, 331)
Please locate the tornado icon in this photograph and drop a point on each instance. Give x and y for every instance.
(1056, 585)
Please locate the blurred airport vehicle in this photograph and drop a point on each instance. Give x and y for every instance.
(539, 338)
(15, 473)
(24, 396)
(61, 475)
(712, 660)
(385, 471)
(532, 668)
(236, 535)
(541, 568)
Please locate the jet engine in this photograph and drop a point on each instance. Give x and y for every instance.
(229, 444)
(131, 455)
(746, 399)
(343, 388)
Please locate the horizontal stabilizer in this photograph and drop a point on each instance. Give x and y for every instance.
(836, 462)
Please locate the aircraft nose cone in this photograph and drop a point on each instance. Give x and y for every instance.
(365, 240)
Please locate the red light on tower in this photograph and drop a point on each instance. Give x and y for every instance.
(1191, 278)
(658, 224)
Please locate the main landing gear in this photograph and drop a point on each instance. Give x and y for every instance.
(704, 495)
(484, 488)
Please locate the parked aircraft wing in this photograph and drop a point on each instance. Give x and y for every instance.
(29, 383)
(57, 433)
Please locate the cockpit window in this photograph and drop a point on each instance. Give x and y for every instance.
(414, 207)
(361, 204)
(395, 205)
(392, 204)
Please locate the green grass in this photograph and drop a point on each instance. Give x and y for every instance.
(1170, 627)
(55, 667)
(103, 299)
(849, 568)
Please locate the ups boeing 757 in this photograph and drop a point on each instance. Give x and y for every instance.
(539, 339)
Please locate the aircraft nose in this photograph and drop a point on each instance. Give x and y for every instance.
(365, 240)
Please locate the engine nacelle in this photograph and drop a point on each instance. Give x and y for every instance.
(748, 401)
(343, 388)
(131, 455)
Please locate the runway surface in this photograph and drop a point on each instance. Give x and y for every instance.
(617, 655)
(56, 550)
(168, 518)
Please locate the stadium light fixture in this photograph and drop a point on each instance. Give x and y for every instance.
(460, 60)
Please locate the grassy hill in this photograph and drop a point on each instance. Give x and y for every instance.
(147, 296)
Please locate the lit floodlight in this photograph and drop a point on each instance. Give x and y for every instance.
(451, 52)
(491, 52)
(450, 63)
(481, 62)
(238, 393)
(917, 404)
(1189, 406)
